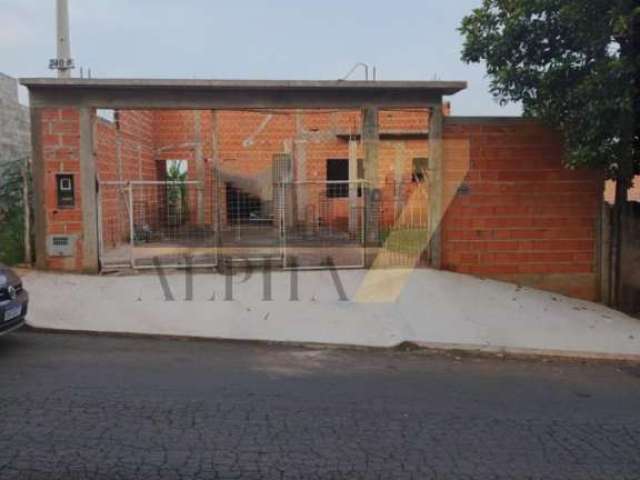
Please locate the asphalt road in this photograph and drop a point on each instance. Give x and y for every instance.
(92, 407)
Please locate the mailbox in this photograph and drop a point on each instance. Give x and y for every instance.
(65, 191)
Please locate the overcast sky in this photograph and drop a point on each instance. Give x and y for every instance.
(253, 39)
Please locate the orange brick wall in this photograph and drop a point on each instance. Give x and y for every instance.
(248, 140)
(175, 137)
(520, 215)
(134, 131)
(61, 154)
(124, 152)
(512, 211)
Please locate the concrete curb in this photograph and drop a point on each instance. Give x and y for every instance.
(422, 348)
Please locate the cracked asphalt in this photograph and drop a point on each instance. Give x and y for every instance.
(97, 407)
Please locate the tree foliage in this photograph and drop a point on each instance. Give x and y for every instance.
(573, 64)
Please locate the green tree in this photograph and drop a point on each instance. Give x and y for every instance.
(574, 64)
(177, 191)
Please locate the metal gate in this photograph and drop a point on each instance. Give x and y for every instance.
(143, 224)
(322, 224)
(303, 225)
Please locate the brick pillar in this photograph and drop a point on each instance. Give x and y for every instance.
(63, 144)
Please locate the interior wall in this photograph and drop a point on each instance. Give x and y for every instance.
(124, 152)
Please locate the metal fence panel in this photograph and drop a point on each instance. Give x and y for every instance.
(146, 223)
(323, 224)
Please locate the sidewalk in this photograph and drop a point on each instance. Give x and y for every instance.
(384, 308)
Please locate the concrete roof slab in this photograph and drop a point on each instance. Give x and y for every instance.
(164, 93)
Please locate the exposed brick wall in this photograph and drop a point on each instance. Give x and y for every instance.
(513, 212)
(520, 215)
(124, 152)
(175, 137)
(124, 148)
(248, 141)
(60, 130)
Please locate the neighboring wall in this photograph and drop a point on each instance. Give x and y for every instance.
(630, 259)
(517, 214)
(633, 195)
(14, 122)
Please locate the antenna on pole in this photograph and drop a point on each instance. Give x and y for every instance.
(64, 63)
(353, 69)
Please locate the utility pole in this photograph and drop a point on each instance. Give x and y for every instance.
(63, 63)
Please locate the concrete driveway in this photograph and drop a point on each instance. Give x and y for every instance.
(379, 308)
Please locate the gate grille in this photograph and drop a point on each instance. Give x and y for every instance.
(145, 223)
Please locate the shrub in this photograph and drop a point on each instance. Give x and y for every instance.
(11, 211)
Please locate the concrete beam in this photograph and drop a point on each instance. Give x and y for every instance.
(138, 94)
(436, 87)
(88, 195)
(454, 120)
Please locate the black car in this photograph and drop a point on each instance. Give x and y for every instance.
(14, 300)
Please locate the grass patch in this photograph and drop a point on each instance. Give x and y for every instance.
(404, 240)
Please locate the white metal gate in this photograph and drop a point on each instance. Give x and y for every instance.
(322, 224)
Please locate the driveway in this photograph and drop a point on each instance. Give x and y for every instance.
(96, 407)
(370, 308)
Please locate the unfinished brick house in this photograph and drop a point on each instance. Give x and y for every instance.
(305, 175)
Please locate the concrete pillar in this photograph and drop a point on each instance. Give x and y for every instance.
(354, 220)
(218, 194)
(119, 154)
(370, 140)
(399, 160)
(435, 187)
(291, 210)
(88, 191)
(199, 161)
(300, 168)
(282, 176)
(38, 171)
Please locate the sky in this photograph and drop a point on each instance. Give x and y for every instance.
(251, 39)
